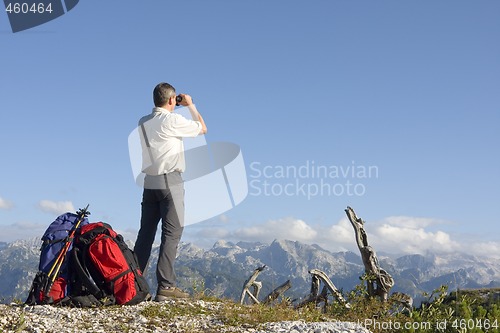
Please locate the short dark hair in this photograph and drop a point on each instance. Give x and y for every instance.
(162, 92)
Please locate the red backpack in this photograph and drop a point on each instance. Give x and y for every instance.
(106, 266)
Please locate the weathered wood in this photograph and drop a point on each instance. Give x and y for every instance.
(255, 285)
(328, 286)
(277, 292)
(379, 281)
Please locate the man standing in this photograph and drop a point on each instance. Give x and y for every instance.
(163, 162)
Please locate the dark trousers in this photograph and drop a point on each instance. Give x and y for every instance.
(165, 204)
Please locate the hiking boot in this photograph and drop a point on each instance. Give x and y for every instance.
(171, 292)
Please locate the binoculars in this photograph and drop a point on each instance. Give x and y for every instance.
(178, 99)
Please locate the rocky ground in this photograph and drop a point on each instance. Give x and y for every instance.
(171, 316)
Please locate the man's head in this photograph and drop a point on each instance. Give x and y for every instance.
(164, 96)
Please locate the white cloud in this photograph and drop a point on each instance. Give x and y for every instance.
(286, 228)
(22, 230)
(396, 239)
(395, 234)
(5, 204)
(490, 249)
(412, 222)
(341, 232)
(398, 235)
(56, 207)
(337, 237)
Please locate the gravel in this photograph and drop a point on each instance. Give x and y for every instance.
(46, 318)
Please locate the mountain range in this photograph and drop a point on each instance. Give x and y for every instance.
(223, 269)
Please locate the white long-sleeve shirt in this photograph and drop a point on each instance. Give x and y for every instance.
(164, 132)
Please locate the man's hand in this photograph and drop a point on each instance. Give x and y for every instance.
(186, 100)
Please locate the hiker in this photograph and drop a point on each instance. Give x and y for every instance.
(163, 163)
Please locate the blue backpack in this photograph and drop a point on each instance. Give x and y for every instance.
(51, 283)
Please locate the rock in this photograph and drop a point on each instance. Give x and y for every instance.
(200, 316)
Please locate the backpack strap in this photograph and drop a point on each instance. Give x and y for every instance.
(147, 142)
(87, 237)
(37, 287)
(84, 275)
(131, 259)
(54, 241)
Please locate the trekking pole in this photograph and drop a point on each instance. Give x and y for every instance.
(82, 213)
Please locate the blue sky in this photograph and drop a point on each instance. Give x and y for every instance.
(411, 88)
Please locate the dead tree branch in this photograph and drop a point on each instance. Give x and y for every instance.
(277, 292)
(328, 286)
(382, 281)
(255, 285)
